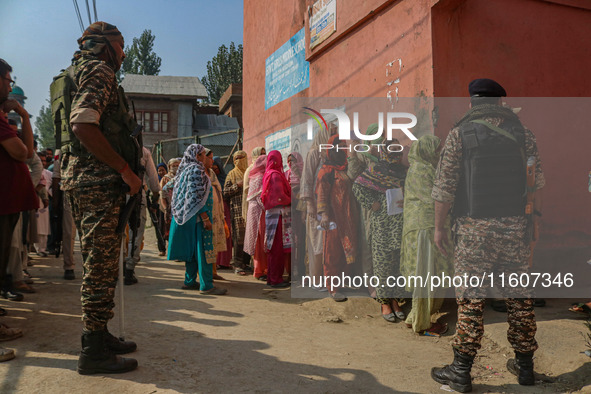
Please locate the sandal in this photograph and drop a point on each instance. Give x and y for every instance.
(436, 330)
(240, 271)
(262, 277)
(218, 277)
(22, 287)
(580, 309)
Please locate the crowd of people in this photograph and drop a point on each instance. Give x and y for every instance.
(381, 213)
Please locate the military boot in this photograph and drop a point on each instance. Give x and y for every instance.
(457, 375)
(117, 345)
(97, 358)
(522, 366)
(129, 277)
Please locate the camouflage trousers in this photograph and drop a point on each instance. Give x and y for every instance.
(96, 212)
(480, 256)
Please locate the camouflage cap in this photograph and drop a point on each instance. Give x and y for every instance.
(100, 32)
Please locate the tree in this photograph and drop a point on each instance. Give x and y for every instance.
(224, 69)
(140, 57)
(44, 127)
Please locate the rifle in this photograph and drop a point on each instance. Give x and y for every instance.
(532, 229)
(57, 214)
(131, 214)
(152, 209)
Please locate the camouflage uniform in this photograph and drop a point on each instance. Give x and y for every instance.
(95, 193)
(484, 246)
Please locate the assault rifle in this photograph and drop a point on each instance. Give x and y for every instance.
(57, 214)
(152, 203)
(131, 213)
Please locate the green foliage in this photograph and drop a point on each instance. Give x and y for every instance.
(224, 69)
(44, 127)
(140, 57)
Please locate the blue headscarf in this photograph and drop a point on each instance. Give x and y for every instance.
(161, 165)
(192, 186)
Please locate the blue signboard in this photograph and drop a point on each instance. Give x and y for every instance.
(286, 71)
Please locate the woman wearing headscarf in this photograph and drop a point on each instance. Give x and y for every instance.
(370, 189)
(223, 258)
(254, 238)
(233, 194)
(357, 162)
(420, 256)
(256, 152)
(166, 187)
(336, 204)
(308, 185)
(218, 223)
(294, 176)
(276, 198)
(162, 170)
(173, 165)
(191, 237)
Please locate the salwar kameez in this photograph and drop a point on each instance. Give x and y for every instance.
(420, 256)
(189, 242)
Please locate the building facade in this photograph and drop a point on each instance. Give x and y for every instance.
(163, 105)
(433, 48)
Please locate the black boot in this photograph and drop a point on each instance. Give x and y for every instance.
(130, 278)
(97, 358)
(118, 346)
(522, 366)
(457, 375)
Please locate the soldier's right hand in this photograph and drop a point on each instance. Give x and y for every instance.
(442, 241)
(132, 180)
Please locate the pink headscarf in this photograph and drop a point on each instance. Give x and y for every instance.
(259, 166)
(296, 167)
(276, 189)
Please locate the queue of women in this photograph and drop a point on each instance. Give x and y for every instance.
(336, 212)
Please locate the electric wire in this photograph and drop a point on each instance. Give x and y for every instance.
(88, 11)
(78, 15)
(94, 7)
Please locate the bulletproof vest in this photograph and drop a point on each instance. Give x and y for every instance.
(117, 126)
(493, 176)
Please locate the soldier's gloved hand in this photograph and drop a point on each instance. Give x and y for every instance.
(131, 180)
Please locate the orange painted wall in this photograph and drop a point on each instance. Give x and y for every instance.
(534, 48)
(353, 64)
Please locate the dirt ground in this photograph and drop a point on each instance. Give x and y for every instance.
(256, 339)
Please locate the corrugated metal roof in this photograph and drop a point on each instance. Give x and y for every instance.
(164, 85)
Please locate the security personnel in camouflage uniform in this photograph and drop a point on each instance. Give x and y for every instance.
(94, 168)
(482, 164)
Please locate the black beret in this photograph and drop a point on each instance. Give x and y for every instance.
(485, 87)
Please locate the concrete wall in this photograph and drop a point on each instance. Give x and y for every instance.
(534, 49)
(361, 59)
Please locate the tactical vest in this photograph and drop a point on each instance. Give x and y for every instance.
(117, 126)
(493, 175)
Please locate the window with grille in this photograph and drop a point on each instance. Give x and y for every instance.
(153, 121)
